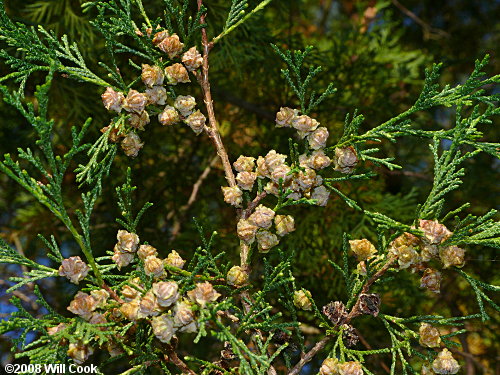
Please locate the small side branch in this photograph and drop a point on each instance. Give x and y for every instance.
(310, 355)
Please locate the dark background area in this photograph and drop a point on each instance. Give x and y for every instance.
(375, 55)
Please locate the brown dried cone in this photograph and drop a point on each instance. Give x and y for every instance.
(262, 217)
(163, 328)
(246, 230)
(169, 116)
(79, 352)
(431, 280)
(244, 164)
(74, 268)
(152, 75)
(138, 121)
(429, 336)
(318, 160)
(135, 101)
(435, 233)
(369, 304)
(445, 363)
(350, 368)
(175, 260)
(266, 240)
(196, 121)
(227, 353)
(285, 117)
(185, 104)
(321, 195)
(329, 366)
(83, 305)
(154, 266)
(345, 159)
(203, 294)
(192, 59)
(336, 312)
(177, 73)
(131, 310)
(122, 259)
(171, 45)
(112, 100)
(349, 335)
(232, 195)
(115, 135)
(160, 37)
(156, 95)
(452, 256)
(317, 139)
(167, 292)
(131, 145)
(146, 251)
(246, 180)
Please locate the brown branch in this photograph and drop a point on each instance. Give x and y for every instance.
(355, 311)
(112, 293)
(246, 213)
(174, 358)
(310, 355)
(213, 130)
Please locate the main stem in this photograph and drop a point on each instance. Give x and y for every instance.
(213, 130)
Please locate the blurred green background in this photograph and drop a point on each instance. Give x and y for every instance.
(374, 52)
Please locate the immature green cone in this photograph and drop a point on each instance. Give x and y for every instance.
(284, 224)
(236, 276)
(445, 363)
(363, 249)
(302, 300)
